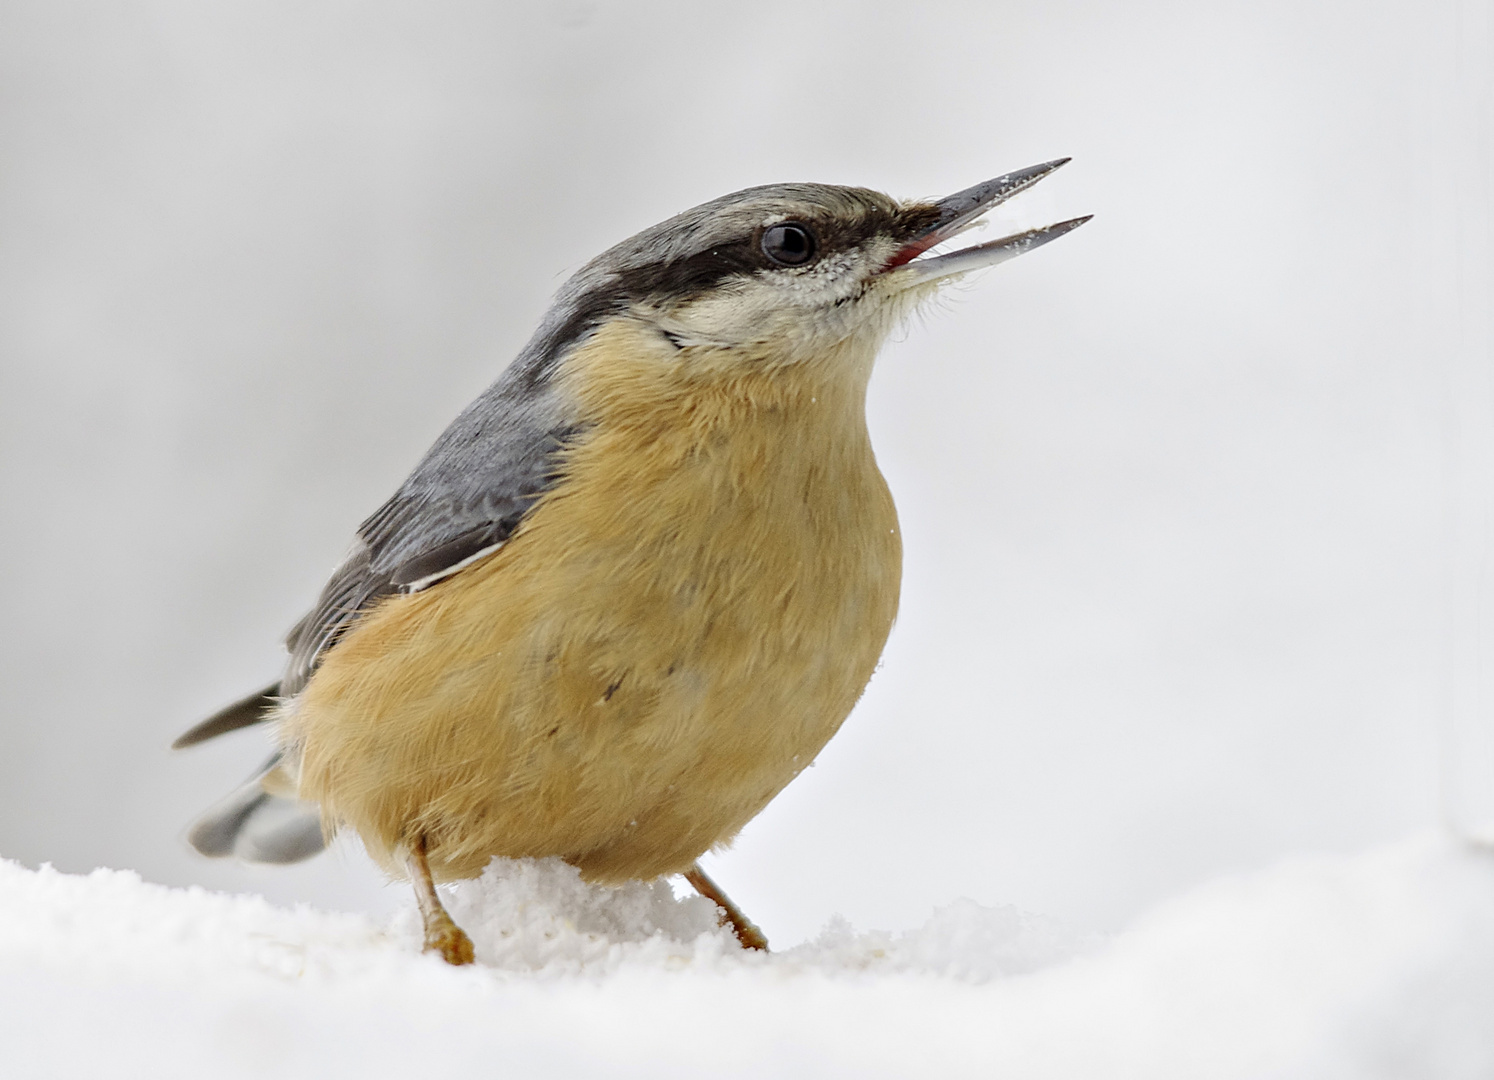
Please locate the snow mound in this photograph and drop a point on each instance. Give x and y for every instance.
(538, 916)
(1381, 965)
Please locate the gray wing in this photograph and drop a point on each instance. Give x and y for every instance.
(477, 482)
(474, 486)
(465, 498)
(468, 494)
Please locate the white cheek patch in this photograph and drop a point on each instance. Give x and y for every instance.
(777, 305)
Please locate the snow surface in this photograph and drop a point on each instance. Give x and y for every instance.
(1380, 965)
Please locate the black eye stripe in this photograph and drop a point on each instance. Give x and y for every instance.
(789, 243)
(685, 277)
(597, 294)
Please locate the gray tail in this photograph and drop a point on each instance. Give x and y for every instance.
(256, 826)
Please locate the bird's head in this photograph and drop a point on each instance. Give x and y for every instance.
(782, 273)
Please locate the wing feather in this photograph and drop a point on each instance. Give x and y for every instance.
(468, 496)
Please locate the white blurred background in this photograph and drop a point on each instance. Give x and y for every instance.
(1175, 490)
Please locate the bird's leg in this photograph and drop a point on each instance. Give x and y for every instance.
(731, 915)
(442, 935)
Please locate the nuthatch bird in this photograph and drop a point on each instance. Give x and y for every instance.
(635, 586)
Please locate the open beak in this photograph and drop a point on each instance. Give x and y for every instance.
(959, 212)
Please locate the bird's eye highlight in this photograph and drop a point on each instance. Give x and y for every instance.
(788, 244)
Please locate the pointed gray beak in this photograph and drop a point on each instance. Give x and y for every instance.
(958, 212)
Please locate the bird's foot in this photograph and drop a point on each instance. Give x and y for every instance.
(442, 936)
(448, 940)
(746, 931)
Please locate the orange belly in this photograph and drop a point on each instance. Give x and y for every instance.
(670, 637)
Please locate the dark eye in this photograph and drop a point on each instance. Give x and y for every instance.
(788, 245)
